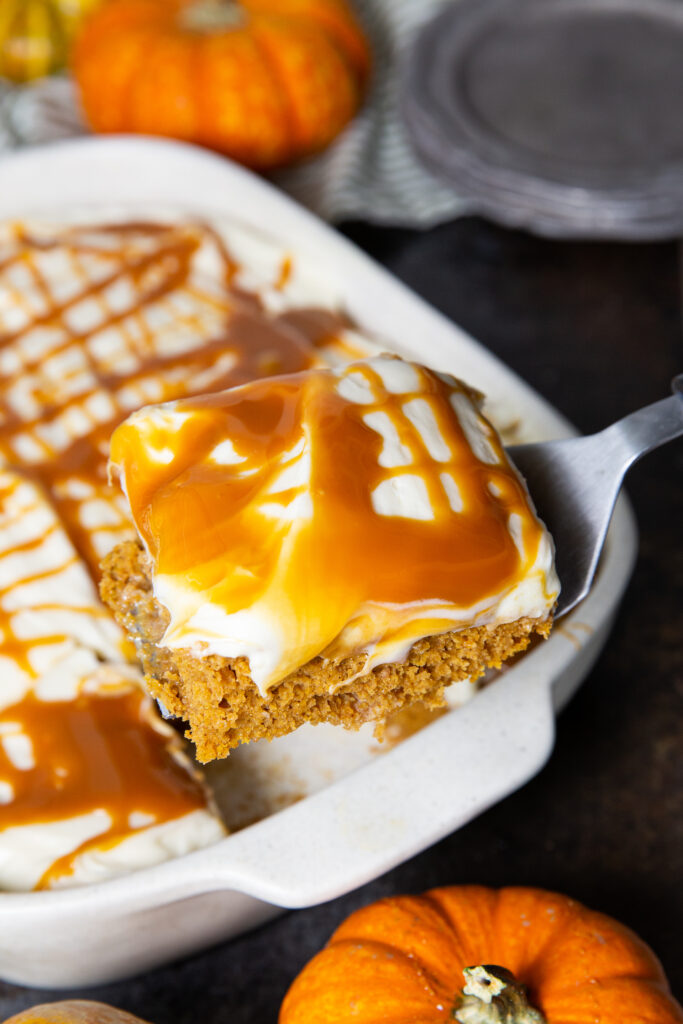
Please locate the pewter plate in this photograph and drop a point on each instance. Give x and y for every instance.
(560, 116)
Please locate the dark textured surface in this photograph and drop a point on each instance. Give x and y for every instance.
(597, 330)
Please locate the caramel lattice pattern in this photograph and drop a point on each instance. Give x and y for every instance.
(97, 322)
(420, 459)
(51, 621)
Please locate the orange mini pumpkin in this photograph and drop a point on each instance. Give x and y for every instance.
(264, 81)
(406, 960)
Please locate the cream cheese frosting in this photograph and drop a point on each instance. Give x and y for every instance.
(328, 513)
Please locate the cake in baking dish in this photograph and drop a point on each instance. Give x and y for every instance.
(93, 783)
(96, 320)
(328, 545)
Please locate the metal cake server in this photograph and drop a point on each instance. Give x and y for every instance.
(575, 482)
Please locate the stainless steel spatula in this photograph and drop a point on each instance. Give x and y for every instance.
(574, 484)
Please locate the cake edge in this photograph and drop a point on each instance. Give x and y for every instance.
(224, 707)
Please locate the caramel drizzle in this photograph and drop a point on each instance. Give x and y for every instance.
(256, 343)
(136, 324)
(93, 752)
(244, 343)
(445, 557)
(457, 558)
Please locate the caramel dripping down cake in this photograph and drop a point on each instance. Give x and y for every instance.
(324, 546)
(97, 320)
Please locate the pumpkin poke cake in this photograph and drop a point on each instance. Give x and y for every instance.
(329, 545)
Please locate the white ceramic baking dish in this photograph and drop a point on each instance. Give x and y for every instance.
(377, 810)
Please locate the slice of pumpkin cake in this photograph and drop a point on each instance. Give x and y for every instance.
(330, 545)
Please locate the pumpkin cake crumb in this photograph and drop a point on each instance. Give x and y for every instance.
(223, 705)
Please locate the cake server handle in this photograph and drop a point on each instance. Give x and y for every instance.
(575, 482)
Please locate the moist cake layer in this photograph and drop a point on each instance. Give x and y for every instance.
(225, 707)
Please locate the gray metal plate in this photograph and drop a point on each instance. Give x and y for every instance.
(561, 116)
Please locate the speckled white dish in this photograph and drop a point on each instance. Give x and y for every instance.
(364, 813)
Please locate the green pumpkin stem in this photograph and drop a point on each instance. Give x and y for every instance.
(492, 995)
(212, 16)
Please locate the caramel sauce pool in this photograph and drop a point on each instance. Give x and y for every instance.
(94, 752)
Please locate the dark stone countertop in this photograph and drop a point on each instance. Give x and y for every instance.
(596, 329)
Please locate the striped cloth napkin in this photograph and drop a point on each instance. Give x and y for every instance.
(370, 173)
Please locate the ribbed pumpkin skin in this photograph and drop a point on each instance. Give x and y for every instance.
(400, 961)
(278, 85)
(35, 35)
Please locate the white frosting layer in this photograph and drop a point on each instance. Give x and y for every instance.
(48, 601)
(28, 851)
